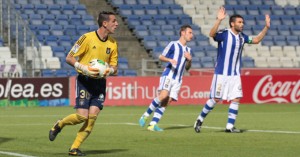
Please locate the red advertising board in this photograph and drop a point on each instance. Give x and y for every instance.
(142, 90)
(124, 91)
(271, 89)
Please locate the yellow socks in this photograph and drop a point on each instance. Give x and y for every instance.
(84, 131)
(72, 119)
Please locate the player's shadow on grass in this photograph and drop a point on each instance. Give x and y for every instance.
(177, 127)
(104, 151)
(4, 139)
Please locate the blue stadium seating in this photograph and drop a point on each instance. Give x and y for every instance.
(62, 73)
(48, 73)
(141, 31)
(129, 72)
(130, 2)
(248, 62)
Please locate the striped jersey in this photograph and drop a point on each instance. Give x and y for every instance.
(230, 52)
(175, 50)
(89, 46)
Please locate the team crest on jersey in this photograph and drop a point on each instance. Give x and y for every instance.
(107, 50)
(75, 48)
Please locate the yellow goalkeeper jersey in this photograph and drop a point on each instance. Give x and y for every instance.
(89, 46)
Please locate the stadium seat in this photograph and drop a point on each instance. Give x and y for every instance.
(279, 40)
(61, 2)
(73, 2)
(231, 2)
(163, 40)
(35, 19)
(130, 72)
(48, 2)
(240, 9)
(70, 30)
(151, 10)
(81, 29)
(248, 62)
(196, 64)
(159, 20)
(125, 10)
(164, 10)
(57, 30)
(277, 10)
(143, 2)
(48, 73)
(292, 40)
(117, 3)
(175, 9)
(88, 20)
(49, 19)
(122, 65)
(172, 19)
(61, 73)
(264, 9)
(157, 2)
(41, 9)
(141, 31)
(146, 20)
(267, 41)
(133, 21)
(244, 2)
(268, 2)
(273, 31)
(138, 10)
(62, 19)
(290, 10)
(252, 10)
(130, 2)
(75, 20)
(284, 30)
(185, 19)
(54, 9)
(43, 30)
(150, 43)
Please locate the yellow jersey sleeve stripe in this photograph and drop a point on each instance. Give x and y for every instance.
(71, 53)
(79, 42)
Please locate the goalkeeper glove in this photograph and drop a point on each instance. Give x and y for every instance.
(86, 70)
(108, 71)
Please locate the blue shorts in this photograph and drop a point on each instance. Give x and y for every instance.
(90, 92)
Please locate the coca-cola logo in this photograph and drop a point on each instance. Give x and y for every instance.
(267, 90)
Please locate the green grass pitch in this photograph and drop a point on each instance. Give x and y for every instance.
(270, 131)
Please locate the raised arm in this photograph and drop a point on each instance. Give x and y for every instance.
(221, 16)
(263, 33)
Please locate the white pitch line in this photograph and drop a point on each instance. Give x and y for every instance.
(183, 125)
(15, 154)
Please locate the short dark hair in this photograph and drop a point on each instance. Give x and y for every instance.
(233, 18)
(103, 16)
(183, 28)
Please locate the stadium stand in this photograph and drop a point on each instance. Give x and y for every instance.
(9, 66)
(57, 25)
(283, 32)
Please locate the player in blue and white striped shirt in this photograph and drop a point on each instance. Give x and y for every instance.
(226, 83)
(179, 58)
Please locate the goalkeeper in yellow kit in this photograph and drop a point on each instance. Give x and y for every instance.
(90, 90)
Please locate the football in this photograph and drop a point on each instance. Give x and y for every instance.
(100, 65)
